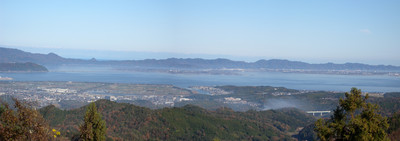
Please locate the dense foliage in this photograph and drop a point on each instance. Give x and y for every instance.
(388, 106)
(22, 123)
(394, 126)
(392, 95)
(94, 128)
(353, 119)
(6, 67)
(130, 122)
(307, 133)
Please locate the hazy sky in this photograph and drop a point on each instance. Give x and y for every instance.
(317, 31)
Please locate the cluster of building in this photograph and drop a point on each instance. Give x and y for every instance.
(210, 90)
(56, 92)
(65, 94)
(54, 96)
(238, 101)
(288, 93)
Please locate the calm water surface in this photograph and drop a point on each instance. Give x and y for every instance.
(288, 80)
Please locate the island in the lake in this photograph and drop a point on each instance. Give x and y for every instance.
(21, 67)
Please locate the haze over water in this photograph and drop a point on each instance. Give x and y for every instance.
(377, 83)
(311, 31)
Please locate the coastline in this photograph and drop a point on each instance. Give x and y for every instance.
(6, 78)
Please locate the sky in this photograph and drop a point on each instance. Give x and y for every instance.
(314, 31)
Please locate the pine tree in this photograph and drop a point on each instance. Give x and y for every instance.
(354, 119)
(94, 128)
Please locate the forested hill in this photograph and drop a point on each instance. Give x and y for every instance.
(22, 67)
(8, 55)
(51, 59)
(130, 122)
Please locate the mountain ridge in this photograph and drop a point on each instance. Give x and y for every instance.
(51, 59)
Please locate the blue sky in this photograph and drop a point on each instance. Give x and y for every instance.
(312, 31)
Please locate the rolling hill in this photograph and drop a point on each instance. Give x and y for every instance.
(130, 122)
(22, 67)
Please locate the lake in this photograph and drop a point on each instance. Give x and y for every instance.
(378, 83)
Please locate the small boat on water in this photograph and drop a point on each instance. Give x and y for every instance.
(6, 78)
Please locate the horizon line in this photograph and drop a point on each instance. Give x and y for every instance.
(204, 56)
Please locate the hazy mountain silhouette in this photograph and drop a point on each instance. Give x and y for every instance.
(15, 55)
(22, 67)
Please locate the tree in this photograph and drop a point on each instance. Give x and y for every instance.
(94, 128)
(394, 126)
(23, 123)
(353, 119)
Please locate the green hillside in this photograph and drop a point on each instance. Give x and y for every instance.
(22, 67)
(130, 122)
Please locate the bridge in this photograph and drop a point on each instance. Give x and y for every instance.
(318, 112)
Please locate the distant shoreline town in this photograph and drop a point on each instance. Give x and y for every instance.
(68, 94)
(5, 78)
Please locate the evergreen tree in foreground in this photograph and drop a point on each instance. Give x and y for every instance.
(94, 128)
(354, 119)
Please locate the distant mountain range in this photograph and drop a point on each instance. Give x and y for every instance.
(8, 55)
